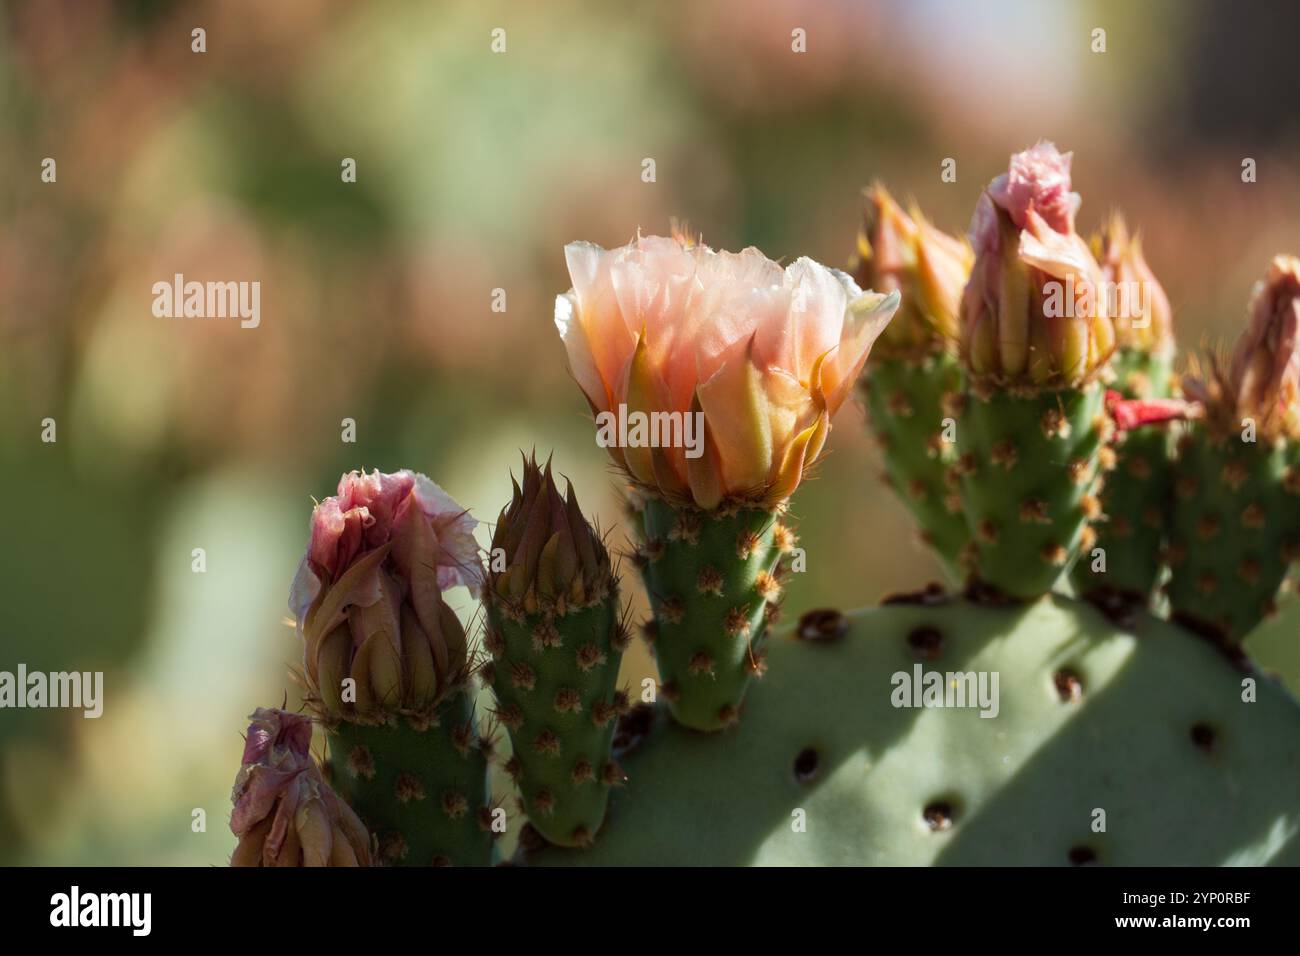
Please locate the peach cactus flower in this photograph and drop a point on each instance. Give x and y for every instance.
(755, 356)
(1035, 310)
(285, 814)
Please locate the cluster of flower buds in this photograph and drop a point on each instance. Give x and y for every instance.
(1035, 312)
(285, 814)
(368, 598)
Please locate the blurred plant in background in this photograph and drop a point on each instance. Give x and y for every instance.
(474, 168)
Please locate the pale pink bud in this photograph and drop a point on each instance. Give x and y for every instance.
(381, 553)
(1035, 310)
(1265, 373)
(285, 814)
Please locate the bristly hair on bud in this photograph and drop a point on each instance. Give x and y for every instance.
(555, 561)
(1142, 317)
(1263, 380)
(1034, 313)
(901, 252)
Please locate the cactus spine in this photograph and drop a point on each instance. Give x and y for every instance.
(556, 636)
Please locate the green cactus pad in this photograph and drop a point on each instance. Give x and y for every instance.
(1148, 726)
(710, 577)
(1029, 465)
(421, 791)
(1234, 529)
(554, 683)
(1135, 496)
(905, 402)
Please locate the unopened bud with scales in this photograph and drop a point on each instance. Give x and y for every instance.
(556, 636)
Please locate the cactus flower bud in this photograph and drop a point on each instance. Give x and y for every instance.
(902, 252)
(741, 362)
(285, 814)
(1265, 373)
(554, 559)
(1139, 308)
(368, 594)
(1035, 312)
(556, 636)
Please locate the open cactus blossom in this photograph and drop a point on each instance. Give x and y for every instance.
(285, 814)
(368, 595)
(752, 360)
(667, 329)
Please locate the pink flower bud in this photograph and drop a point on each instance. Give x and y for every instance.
(1035, 310)
(285, 814)
(1265, 373)
(668, 331)
(368, 594)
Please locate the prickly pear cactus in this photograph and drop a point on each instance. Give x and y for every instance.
(1234, 531)
(913, 371)
(712, 582)
(905, 401)
(556, 636)
(1235, 524)
(1030, 469)
(420, 787)
(1133, 501)
(1121, 746)
(1130, 534)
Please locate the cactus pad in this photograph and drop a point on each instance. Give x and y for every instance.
(905, 400)
(1117, 747)
(711, 579)
(1029, 465)
(422, 790)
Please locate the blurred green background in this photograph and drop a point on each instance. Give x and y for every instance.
(473, 169)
